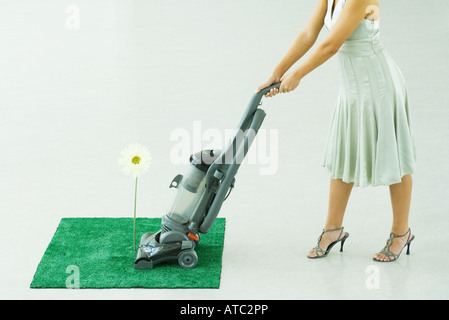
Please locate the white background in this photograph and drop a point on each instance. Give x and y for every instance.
(134, 71)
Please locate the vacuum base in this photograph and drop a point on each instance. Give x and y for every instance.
(152, 252)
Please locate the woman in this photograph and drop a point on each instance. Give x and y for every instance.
(370, 142)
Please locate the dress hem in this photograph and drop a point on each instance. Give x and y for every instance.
(358, 184)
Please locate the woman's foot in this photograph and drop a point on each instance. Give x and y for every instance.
(326, 238)
(394, 247)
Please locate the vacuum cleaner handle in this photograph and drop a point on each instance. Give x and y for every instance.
(231, 171)
(252, 120)
(246, 120)
(264, 91)
(253, 105)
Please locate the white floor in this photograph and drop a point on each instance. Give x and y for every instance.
(80, 80)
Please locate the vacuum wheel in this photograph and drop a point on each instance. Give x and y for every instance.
(188, 259)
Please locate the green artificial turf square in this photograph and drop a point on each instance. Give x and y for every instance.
(99, 253)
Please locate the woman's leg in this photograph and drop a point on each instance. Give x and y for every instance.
(401, 195)
(339, 193)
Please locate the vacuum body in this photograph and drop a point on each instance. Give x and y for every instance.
(200, 193)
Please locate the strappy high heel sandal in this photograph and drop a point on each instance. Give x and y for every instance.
(387, 252)
(320, 253)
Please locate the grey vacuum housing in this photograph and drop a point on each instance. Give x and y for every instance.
(201, 191)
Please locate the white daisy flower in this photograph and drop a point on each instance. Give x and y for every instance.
(136, 159)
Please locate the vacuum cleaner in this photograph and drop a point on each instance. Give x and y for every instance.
(200, 193)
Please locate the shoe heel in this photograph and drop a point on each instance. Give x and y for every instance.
(342, 244)
(408, 245)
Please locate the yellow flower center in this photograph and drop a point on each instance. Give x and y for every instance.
(135, 160)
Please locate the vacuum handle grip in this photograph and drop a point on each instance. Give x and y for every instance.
(264, 91)
(254, 104)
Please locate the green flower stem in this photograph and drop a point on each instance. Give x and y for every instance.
(135, 201)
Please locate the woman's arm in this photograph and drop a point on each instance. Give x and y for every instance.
(305, 39)
(351, 16)
(303, 42)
